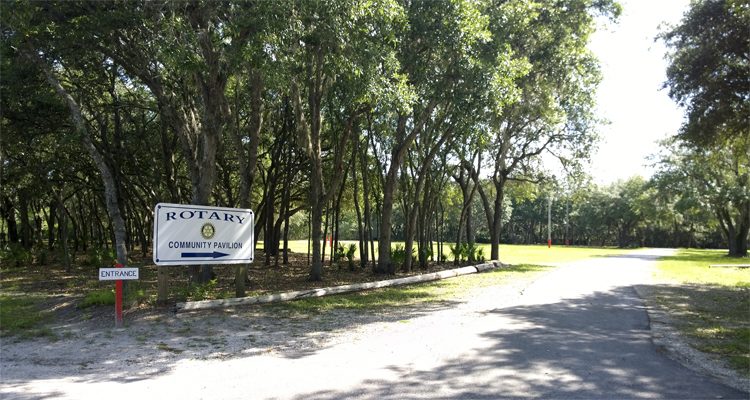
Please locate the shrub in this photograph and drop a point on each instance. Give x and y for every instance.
(457, 253)
(350, 250)
(203, 292)
(470, 250)
(14, 254)
(480, 254)
(339, 252)
(98, 298)
(101, 258)
(41, 255)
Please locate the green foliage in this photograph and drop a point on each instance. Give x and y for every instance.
(13, 254)
(712, 180)
(196, 292)
(98, 298)
(708, 70)
(102, 258)
(339, 253)
(203, 292)
(462, 65)
(457, 252)
(470, 250)
(350, 251)
(398, 254)
(480, 254)
(135, 294)
(427, 252)
(41, 255)
(466, 251)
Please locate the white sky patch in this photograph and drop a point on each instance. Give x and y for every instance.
(629, 96)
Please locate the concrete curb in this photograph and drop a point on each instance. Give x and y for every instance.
(303, 294)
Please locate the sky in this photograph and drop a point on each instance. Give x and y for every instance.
(629, 96)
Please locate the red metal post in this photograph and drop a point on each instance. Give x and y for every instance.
(118, 300)
(549, 243)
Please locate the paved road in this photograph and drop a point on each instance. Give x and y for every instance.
(578, 332)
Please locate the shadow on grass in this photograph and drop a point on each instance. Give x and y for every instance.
(705, 256)
(714, 319)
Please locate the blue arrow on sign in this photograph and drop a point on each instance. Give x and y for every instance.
(215, 254)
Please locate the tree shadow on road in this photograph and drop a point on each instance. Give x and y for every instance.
(551, 351)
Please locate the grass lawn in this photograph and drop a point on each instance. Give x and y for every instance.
(21, 316)
(692, 266)
(528, 261)
(711, 306)
(434, 292)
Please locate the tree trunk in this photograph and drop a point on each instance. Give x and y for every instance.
(309, 139)
(391, 183)
(10, 218)
(23, 208)
(50, 224)
(270, 202)
(110, 187)
(411, 225)
(247, 160)
(360, 230)
(368, 215)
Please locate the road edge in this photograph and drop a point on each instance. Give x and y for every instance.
(669, 342)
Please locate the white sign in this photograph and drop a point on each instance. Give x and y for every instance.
(114, 274)
(189, 234)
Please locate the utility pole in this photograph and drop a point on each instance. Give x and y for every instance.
(549, 222)
(566, 222)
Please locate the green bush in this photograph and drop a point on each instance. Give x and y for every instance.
(98, 298)
(350, 251)
(339, 252)
(480, 254)
(14, 254)
(471, 251)
(41, 256)
(135, 295)
(203, 292)
(101, 258)
(398, 254)
(457, 252)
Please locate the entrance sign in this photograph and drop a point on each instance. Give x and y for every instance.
(113, 274)
(190, 234)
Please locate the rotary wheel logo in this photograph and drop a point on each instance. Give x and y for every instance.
(208, 231)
